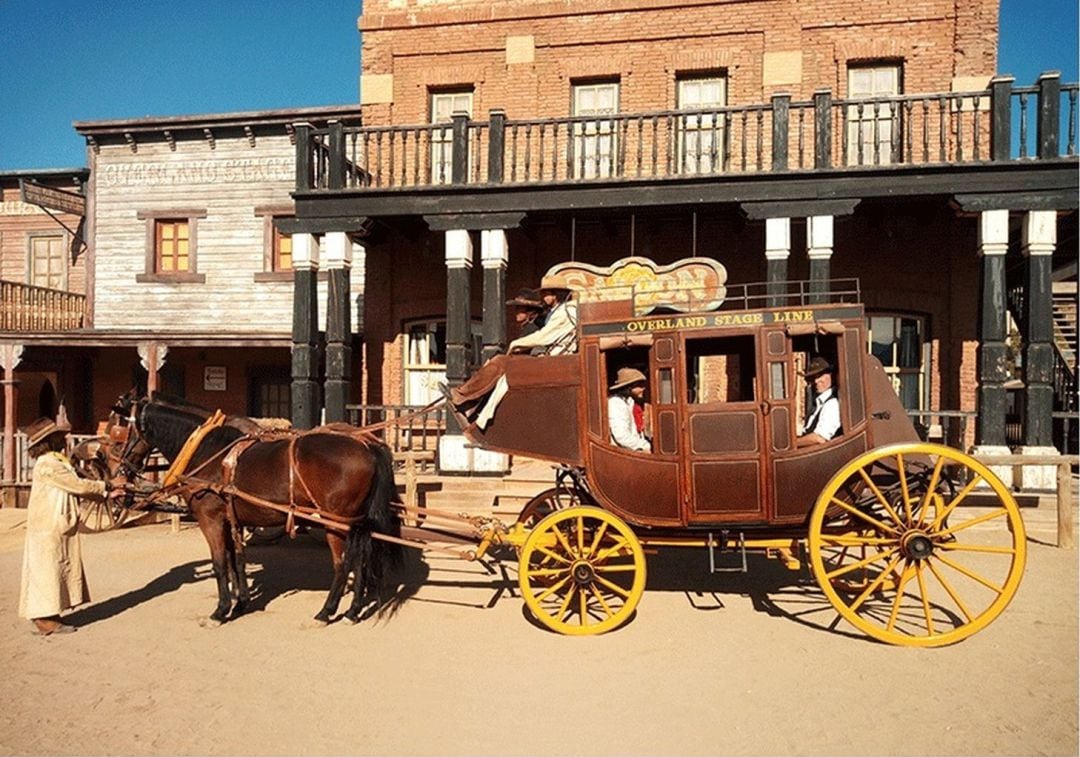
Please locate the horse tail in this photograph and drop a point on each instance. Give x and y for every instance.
(378, 557)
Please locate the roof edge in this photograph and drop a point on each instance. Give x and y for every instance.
(210, 120)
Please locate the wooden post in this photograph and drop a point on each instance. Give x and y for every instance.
(1049, 125)
(993, 244)
(459, 170)
(496, 146)
(338, 326)
(1065, 525)
(152, 358)
(1037, 246)
(10, 355)
(781, 109)
(494, 256)
(822, 129)
(305, 336)
(304, 166)
(777, 252)
(1001, 117)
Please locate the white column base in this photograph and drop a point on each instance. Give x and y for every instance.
(1038, 477)
(1004, 472)
(457, 455)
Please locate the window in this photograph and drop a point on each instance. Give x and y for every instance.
(898, 341)
(701, 134)
(594, 144)
(443, 106)
(425, 359)
(48, 264)
(281, 255)
(720, 370)
(277, 247)
(171, 246)
(872, 126)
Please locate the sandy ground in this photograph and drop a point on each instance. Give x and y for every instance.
(709, 665)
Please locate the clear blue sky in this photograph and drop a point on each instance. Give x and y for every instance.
(80, 60)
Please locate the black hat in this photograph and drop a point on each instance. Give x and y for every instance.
(818, 366)
(527, 298)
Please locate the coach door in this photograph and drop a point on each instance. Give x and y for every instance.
(723, 433)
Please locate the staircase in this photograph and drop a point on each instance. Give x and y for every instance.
(1064, 294)
(498, 496)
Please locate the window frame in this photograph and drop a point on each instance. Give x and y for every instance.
(65, 244)
(442, 139)
(609, 133)
(409, 368)
(154, 276)
(270, 270)
(717, 128)
(856, 126)
(923, 372)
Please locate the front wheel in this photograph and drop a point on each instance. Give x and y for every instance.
(582, 571)
(917, 544)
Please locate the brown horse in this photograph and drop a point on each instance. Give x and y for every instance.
(342, 473)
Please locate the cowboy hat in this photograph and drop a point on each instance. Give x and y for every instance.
(527, 298)
(818, 366)
(626, 377)
(42, 429)
(557, 281)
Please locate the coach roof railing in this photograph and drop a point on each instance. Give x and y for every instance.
(1002, 123)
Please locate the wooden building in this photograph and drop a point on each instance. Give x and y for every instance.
(788, 140)
(183, 283)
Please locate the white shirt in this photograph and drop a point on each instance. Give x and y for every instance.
(558, 334)
(621, 423)
(824, 419)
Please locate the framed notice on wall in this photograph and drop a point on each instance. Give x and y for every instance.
(215, 378)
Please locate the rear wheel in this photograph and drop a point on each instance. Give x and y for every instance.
(917, 544)
(582, 571)
(547, 502)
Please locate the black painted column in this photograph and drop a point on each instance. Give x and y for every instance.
(777, 252)
(305, 336)
(992, 368)
(459, 254)
(338, 262)
(1039, 240)
(819, 248)
(494, 256)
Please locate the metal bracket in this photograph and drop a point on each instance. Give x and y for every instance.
(712, 543)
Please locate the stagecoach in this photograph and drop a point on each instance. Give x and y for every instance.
(913, 543)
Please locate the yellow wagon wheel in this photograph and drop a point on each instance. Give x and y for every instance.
(917, 544)
(582, 571)
(547, 502)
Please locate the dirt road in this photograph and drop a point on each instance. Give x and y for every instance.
(710, 665)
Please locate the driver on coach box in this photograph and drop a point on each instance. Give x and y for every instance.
(823, 421)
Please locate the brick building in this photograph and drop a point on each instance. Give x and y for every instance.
(789, 140)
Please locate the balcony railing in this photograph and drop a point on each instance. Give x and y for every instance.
(26, 308)
(1001, 123)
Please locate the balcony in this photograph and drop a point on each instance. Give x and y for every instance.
(30, 309)
(1002, 124)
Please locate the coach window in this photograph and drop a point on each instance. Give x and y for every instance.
(720, 370)
(171, 246)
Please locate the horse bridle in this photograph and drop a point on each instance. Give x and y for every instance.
(125, 468)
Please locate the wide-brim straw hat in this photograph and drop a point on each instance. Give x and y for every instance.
(557, 281)
(626, 377)
(42, 429)
(527, 298)
(818, 366)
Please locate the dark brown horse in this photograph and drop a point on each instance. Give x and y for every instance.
(343, 474)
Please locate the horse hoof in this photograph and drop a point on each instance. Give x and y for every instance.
(352, 618)
(210, 622)
(317, 623)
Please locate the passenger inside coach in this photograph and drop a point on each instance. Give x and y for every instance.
(823, 419)
(626, 410)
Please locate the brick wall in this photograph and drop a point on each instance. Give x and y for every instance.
(522, 56)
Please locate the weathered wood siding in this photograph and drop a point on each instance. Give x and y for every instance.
(19, 221)
(228, 182)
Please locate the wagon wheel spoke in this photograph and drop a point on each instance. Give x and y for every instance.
(881, 498)
(941, 577)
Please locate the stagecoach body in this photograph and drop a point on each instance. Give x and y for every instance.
(726, 399)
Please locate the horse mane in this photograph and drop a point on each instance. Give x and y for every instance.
(167, 427)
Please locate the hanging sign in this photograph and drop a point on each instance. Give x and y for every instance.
(51, 198)
(215, 378)
(688, 285)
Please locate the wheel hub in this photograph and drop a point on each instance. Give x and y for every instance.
(915, 545)
(583, 573)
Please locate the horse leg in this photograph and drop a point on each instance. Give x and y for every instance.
(362, 578)
(213, 529)
(237, 571)
(341, 574)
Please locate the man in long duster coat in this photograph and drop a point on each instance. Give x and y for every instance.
(52, 576)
